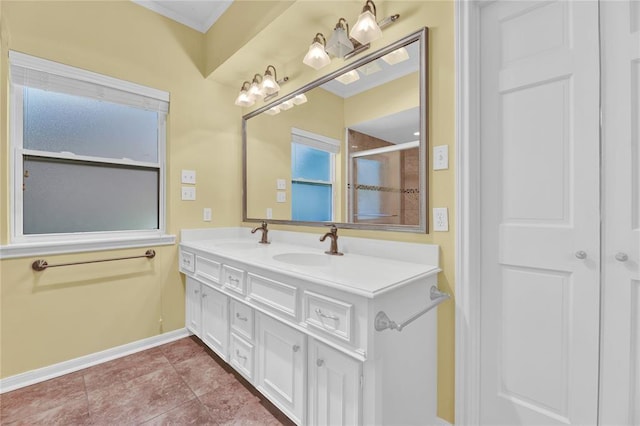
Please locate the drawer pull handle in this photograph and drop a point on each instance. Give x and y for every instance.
(320, 362)
(233, 279)
(240, 317)
(327, 316)
(240, 356)
(204, 295)
(296, 348)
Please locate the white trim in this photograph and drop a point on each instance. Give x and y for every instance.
(200, 25)
(66, 155)
(315, 140)
(440, 422)
(61, 247)
(56, 370)
(467, 291)
(22, 60)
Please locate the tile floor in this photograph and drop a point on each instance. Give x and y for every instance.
(179, 383)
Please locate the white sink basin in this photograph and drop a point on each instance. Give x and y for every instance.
(303, 259)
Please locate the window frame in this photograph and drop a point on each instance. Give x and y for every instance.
(21, 244)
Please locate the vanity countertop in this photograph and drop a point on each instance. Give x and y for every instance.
(361, 274)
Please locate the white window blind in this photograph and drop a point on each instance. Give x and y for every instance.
(43, 74)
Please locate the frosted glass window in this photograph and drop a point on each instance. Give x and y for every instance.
(57, 122)
(62, 196)
(311, 202)
(310, 163)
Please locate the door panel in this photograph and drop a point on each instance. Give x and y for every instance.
(540, 205)
(215, 320)
(620, 352)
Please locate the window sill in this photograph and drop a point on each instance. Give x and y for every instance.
(17, 250)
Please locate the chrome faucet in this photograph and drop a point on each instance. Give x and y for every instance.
(333, 234)
(265, 231)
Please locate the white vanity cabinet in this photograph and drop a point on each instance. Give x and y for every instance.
(334, 389)
(281, 365)
(206, 314)
(303, 334)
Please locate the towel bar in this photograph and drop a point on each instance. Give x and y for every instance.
(382, 321)
(41, 264)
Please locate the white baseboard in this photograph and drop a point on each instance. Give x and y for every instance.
(441, 422)
(56, 370)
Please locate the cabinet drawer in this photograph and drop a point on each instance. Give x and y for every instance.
(277, 297)
(233, 279)
(242, 319)
(187, 261)
(208, 269)
(242, 356)
(329, 315)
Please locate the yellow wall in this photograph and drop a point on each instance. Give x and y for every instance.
(62, 314)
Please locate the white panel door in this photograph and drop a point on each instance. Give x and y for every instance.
(334, 387)
(281, 365)
(539, 212)
(215, 321)
(193, 306)
(620, 352)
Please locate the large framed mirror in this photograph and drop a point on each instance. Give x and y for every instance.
(349, 148)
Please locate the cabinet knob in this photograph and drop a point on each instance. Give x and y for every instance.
(196, 291)
(296, 348)
(204, 295)
(622, 257)
(581, 254)
(320, 362)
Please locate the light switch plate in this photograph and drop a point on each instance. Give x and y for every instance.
(188, 193)
(206, 214)
(281, 197)
(189, 176)
(281, 184)
(441, 157)
(440, 219)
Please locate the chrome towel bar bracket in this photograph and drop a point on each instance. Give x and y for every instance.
(41, 264)
(382, 321)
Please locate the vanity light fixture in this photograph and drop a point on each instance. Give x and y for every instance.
(273, 110)
(269, 83)
(317, 57)
(299, 99)
(397, 56)
(366, 28)
(244, 99)
(339, 43)
(255, 90)
(349, 77)
(286, 105)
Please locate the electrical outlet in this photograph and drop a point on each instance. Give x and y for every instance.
(188, 193)
(189, 176)
(281, 184)
(269, 213)
(281, 197)
(440, 157)
(440, 219)
(206, 214)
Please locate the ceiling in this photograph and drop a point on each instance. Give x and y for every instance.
(199, 14)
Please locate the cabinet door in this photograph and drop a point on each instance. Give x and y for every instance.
(192, 307)
(334, 386)
(281, 366)
(215, 320)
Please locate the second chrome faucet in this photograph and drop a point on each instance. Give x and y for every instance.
(265, 231)
(333, 235)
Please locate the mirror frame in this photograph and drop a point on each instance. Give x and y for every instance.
(422, 37)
